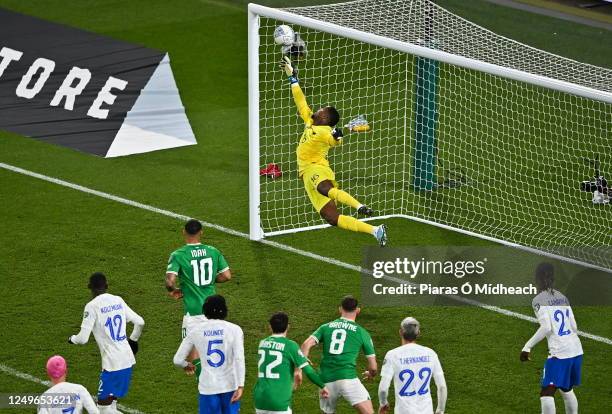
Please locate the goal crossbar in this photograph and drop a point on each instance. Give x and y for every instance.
(413, 49)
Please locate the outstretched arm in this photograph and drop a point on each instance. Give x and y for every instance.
(298, 96)
(300, 101)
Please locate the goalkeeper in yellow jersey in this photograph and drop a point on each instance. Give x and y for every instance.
(318, 137)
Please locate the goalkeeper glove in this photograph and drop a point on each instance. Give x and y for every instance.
(297, 49)
(358, 124)
(290, 71)
(337, 133)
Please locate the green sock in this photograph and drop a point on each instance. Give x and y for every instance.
(198, 368)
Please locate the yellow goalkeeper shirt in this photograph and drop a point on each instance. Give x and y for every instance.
(316, 140)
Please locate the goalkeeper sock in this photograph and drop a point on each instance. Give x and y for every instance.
(343, 197)
(548, 405)
(352, 224)
(198, 368)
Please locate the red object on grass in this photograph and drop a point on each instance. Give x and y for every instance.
(271, 171)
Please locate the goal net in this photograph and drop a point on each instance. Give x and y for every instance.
(470, 130)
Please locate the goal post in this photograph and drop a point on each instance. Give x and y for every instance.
(255, 230)
(471, 131)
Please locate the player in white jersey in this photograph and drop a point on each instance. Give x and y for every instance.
(411, 367)
(106, 316)
(557, 324)
(221, 345)
(79, 396)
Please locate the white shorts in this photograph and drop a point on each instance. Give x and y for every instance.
(352, 390)
(258, 411)
(188, 322)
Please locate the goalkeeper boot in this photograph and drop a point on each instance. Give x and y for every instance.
(381, 235)
(365, 211)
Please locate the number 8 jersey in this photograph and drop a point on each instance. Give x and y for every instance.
(553, 311)
(342, 341)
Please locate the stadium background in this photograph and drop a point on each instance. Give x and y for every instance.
(52, 237)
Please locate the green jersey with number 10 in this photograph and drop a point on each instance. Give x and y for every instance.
(278, 359)
(197, 267)
(342, 340)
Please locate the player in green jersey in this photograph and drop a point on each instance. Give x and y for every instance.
(342, 341)
(198, 267)
(280, 370)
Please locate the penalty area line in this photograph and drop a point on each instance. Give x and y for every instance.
(266, 242)
(27, 377)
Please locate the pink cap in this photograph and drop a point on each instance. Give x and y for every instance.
(56, 367)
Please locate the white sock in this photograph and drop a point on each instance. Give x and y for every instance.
(374, 230)
(114, 405)
(106, 409)
(570, 401)
(109, 409)
(548, 405)
(360, 205)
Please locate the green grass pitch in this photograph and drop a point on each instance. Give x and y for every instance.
(53, 237)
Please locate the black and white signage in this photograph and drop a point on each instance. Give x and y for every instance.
(85, 91)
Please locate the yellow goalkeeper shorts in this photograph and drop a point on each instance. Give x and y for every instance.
(313, 175)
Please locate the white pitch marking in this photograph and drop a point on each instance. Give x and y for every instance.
(270, 243)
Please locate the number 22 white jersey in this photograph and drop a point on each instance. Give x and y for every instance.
(553, 310)
(106, 316)
(412, 367)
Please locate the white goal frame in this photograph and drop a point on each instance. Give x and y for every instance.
(255, 11)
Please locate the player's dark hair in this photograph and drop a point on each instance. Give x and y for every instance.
(545, 276)
(409, 336)
(97, 282)
(279, 322)
(332, 116)
(193, 227)
(349, 304)
(215, 307)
